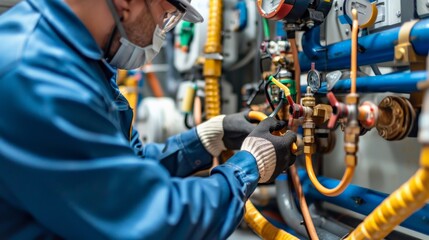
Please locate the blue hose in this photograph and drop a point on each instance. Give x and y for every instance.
(361, 200)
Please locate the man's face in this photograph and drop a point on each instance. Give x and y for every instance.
(140, 23)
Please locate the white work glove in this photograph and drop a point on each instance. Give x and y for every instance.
(272, 153)
(225, 132)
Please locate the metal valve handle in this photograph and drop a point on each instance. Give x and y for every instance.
(339, 110)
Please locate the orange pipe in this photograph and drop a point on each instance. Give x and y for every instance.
(355, 29)
(308, 221)
(297, 67)
(154, 84)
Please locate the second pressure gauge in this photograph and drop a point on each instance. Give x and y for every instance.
(274, 9)
(314, 79)
(367, 11)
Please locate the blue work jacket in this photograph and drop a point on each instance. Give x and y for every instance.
(68, 165)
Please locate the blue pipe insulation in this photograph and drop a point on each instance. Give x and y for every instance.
(404, 82)
(376, 48)
(360, 200)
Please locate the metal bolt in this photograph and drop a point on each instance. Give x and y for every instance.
(398, 13)
(398, 111)
(387, 101)
(347, 31)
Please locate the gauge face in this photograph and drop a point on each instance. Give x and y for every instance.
(313, 80)
(270, 6)
(367, 11)
(274, 9)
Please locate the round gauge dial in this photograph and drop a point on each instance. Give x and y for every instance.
(367, 11)
(314, 81)
(274, 9)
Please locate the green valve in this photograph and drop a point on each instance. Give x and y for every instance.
(186, 35)
(290, 84)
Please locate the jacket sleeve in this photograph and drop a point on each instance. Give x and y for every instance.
(68, 165)
(182, 154)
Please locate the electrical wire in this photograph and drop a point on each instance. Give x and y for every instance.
(279, 106)
(376, 70)
(267, 33)
(255, 93)
(267, 94)
(186, 121)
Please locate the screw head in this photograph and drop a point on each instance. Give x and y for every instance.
(398, 13)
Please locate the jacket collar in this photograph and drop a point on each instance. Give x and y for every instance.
(59, 15)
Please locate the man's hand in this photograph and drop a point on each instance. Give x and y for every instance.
(225, 132)
(236, 128)
(272, 153)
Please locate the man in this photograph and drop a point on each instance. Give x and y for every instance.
(71, 166)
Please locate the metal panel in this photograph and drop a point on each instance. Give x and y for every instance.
(422, 7)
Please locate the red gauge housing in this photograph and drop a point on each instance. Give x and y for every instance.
(278, 14)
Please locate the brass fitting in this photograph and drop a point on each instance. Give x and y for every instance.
(368, 114)
(321, 113)
(396, 118)
(309, 102)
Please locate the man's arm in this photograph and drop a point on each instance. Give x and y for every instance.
(181, 155)
(68, 165)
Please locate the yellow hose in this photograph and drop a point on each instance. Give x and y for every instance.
(213, 65)
(262, 227)
(349, 137)
(345, 181)
(410, 197)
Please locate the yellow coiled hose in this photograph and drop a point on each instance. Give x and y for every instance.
(213, 63)
(410, 197)
(262, 227)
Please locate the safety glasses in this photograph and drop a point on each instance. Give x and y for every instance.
(171, 19)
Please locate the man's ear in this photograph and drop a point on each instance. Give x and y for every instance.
(123, 8)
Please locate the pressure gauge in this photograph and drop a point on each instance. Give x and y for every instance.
(274, 9)
(367, 11)
(314, 80)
